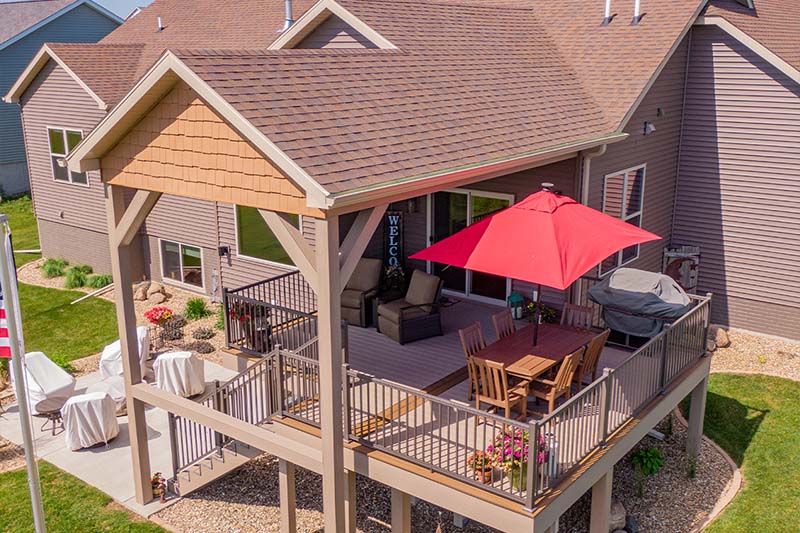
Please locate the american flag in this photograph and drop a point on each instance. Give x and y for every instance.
(5, 295)
(5, 345)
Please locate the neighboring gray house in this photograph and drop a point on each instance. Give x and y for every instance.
(24, 27)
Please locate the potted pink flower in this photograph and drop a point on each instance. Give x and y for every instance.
(481, 463)
(509, 451)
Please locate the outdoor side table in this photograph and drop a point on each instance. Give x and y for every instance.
(89, 419)
(180, 373)
(114, 387)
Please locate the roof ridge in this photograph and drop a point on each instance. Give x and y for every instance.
(479, 4)
(263, 53)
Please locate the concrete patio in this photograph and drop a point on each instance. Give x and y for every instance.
(108, 468)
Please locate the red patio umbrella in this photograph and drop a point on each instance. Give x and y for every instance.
(546, 239)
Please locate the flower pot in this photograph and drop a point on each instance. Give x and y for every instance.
(519, 478)
(156, 492)
(484, 476)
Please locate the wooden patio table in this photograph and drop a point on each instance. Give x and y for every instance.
(524, 360)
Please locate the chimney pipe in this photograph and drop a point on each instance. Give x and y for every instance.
(160, 26)
(607, 18)
(289, 20)
(637, 12)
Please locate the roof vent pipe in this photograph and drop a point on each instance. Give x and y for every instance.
(637, 12)
(289, 20)
(160, 26)
(607, 18)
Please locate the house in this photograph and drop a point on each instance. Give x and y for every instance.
(24, 27)
(258, 167)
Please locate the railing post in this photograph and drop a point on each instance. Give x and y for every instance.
(346, 401)
(279, 375)
(215, 403)
(533, 465)
(226, 317)
(605, 406)
(707, 324)
(345, 343)
(173, 444)
(662, 373)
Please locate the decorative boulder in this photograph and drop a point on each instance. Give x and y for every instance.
(157, 298)
(720, 336)
(616, 519)
(711, 345)
(155, 288)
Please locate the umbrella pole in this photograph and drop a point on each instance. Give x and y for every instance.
(536, 315)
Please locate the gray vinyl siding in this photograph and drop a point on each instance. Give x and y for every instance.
(659, 151)
(739, 186)
(335, 33)
(80, 25)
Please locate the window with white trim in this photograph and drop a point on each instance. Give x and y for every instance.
(62, 142)
(182, 263)
(623, 198)
(256, 240)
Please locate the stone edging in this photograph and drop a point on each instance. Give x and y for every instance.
(733, 487)
(754, 373)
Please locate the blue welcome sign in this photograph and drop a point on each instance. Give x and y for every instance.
(393, 238)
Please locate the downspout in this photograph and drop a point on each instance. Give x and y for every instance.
(577, 288)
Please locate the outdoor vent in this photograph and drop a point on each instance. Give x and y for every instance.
(637, 12)
(289, 20)
(608, 17)
(160, 25)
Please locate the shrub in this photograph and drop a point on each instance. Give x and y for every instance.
(176, 322)
(196, 308)
(54, 268)
(77, 276)
(171, 334)
(199, 347)
(220, 323)
(646, 462)
(63, 362)
(203, 334)
(99, 281)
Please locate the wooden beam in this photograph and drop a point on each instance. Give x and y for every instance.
(288, 496)
(121, 261)
(294, 244)
(401, 512)
(330, 372)
(357, 240)
(127, 226)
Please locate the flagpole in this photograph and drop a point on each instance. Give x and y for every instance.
(11, 304)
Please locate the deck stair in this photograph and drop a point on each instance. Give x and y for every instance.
(212, 467)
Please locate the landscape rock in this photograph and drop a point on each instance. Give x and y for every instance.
(711, 345)
(140, 294)
(155, 288)
(720, 336)
(157, 298)
(616, 520)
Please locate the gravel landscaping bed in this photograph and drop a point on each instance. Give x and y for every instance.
(247, 500)
(759, 354)
(11, 456)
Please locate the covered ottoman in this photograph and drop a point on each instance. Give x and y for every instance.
(180, 373)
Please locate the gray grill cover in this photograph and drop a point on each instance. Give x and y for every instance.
(638, 302)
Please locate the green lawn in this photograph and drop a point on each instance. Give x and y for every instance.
(756, 419)
(70, 505)
(23, 227)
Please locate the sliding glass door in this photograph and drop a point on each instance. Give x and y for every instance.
(452, 211)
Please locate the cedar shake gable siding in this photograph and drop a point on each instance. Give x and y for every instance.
(182, 147)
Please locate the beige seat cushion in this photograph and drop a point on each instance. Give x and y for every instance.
(351, 298)
(366, 275)
(423, 289)
(391, 311)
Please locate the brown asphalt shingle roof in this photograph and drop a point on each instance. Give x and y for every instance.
(773, 23)
(16, 17)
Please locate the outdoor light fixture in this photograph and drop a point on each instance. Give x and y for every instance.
(224, 251)
(649, 128)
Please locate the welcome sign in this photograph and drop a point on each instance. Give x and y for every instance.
(393, 238)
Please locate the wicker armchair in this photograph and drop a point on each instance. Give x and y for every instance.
(416, 315)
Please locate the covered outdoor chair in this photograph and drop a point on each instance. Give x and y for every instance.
(561, 385)
(415, 316)
(180, 373)
(494, 388)
(472, 342)
(111, 359)
(588, 365)
(49, 387)
(359, 292)
(90, 419)
(114, 387)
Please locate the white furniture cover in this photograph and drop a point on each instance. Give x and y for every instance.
(49, 386)
(114, 387)
(111, 360)
(180, 373)
(89, 419)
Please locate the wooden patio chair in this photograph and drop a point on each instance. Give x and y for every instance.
(494, 389)
(472, 342)
(588, 366)
(561, 385)
(503, 323)
(576, 316)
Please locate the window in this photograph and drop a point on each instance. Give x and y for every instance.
(182, 263)
(62, 142)
(623, 197)
(256, 240)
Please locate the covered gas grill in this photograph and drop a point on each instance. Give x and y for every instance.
(637, 303)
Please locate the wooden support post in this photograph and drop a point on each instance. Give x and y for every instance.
(288, 496)
(330, 371)
(351, 503)
(401, 512)
(697, 413)
(124, 223)
(601, 503)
